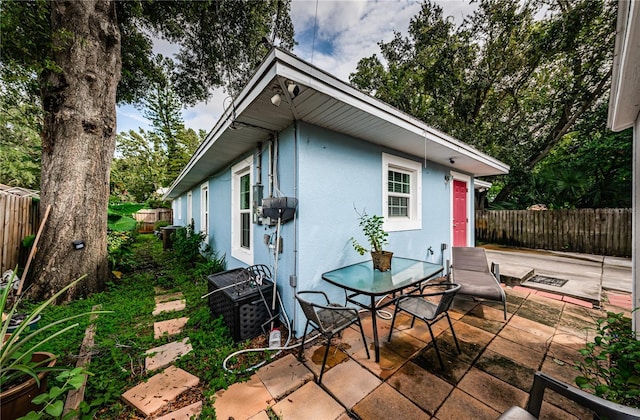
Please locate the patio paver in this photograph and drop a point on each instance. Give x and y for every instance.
(310, 402)
(284, 375)
(242, 400)
(461, 405)
(148, 397)
(165, 297)
(166, 354)
(495, 393)
(423, 388)
(387, 403)
(169, 327)
(349, 382)
(184, 413)
(170, 306)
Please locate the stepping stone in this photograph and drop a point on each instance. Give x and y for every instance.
(166, 354)
(169, 327)
(171, 306)
(284, 376)
(185, 413)
(168, 297)
(148, 397)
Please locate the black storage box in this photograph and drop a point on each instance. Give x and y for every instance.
(242, 307)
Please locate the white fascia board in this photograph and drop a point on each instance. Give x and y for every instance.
(312, 77)
(266, 72)
(624, 103)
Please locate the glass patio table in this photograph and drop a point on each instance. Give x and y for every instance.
(362, 280)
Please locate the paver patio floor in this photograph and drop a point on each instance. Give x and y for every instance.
(494, 371)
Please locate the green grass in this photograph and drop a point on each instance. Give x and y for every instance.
(121, 338)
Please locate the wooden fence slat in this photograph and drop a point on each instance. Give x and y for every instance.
(594, 231)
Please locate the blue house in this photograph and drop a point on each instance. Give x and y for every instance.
(300, 144)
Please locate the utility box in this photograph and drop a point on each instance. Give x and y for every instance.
(244, 306)
(167, 239)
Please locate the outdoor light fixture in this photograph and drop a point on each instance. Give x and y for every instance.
(451, 161)
(276, 99)
(447, 178)
(78, 244)
(293, 89)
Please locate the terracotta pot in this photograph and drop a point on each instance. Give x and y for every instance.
(381, 260)
(16, 402)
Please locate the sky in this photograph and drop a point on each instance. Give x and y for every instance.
(345, 32)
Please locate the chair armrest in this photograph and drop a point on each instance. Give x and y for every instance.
(495, 269)
(600, 406)
(315, 292)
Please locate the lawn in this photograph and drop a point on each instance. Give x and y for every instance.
(122, 337)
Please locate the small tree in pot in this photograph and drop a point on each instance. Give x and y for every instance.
(377, 237)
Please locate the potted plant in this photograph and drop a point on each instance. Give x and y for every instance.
(377, 237)
(23, 369)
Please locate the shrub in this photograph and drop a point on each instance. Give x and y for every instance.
(160, 224)
(119, 248)
(611, 367)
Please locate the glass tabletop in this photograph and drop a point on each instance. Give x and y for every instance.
(362, 278)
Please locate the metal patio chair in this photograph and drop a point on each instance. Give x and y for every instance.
(429, 311)
(471, 271)
(328, 318)
(601, 408)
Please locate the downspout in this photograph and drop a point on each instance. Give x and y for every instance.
(293, 280)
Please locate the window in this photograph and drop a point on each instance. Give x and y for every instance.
(179, 209)
(241, 225)
(401, 193)
(204, 209)
(189, 207)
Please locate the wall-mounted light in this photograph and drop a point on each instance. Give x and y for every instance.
(293, 89)
(448, 178)
(78, 244)
(451, 161)
(276, 99)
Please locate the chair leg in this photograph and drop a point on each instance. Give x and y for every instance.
(433, 340)
(364, 339)
(393, 320)
(453, 332)
(504, 303)
(304, 335)
(324, 359)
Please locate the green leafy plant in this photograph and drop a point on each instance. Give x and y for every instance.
(119, 248)
(160, 224)
(611, 365)
(189, 246)
(52, 400)
(372, 229)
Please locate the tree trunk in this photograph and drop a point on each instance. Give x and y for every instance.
(78, 142)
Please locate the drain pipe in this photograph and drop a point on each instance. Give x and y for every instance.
(293, 279)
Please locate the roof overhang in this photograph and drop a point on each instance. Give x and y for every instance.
(624, 103)
(326, 102)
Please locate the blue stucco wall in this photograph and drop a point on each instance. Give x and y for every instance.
(332, 175)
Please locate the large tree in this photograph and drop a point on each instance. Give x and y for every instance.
(89, 55)
(513, 79)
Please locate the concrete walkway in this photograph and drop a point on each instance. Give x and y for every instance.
(587, 275)
(494, 371)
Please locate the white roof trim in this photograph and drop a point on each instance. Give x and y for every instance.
(279, 64)
(624, 102)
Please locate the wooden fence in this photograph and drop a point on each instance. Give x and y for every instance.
(19, 217)
(147, 218)
(591, 231)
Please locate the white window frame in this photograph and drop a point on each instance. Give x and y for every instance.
(204, 209)
(179, 209)
(189, 207)
(414, 170)
(237, 172)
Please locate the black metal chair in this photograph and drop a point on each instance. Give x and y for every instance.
(428, 311)
(601, 408)
(328, 318)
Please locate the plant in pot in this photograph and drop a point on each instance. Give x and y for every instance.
(23, 369)
(377, 237)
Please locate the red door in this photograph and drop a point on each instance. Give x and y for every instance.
(460, 219)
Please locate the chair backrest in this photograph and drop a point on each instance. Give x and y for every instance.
(308, 309)
(470, 259)
(447, 297)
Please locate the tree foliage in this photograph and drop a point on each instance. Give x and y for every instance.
(87, 56)
(514, 79)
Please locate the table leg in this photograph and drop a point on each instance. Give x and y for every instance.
(374, 326)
